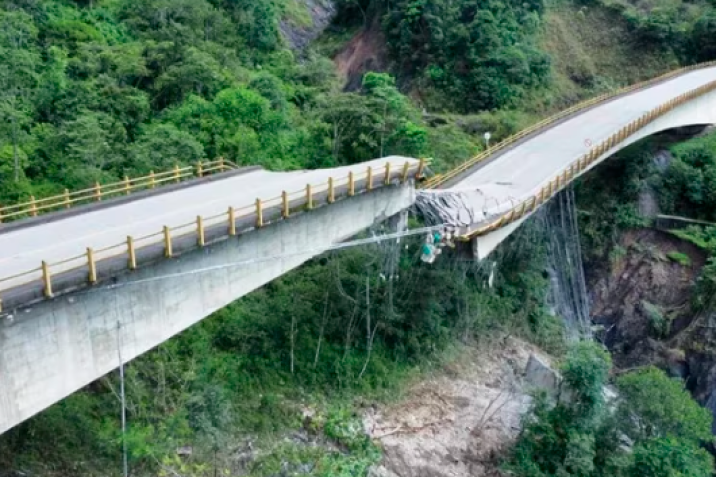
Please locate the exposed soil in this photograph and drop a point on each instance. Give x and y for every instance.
(643, 281)
(367, 51)
(625, 293)
(460, 422)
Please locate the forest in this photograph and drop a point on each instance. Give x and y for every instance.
(93, 90)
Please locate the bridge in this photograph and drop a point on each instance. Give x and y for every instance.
(83, 287)
(488, 197)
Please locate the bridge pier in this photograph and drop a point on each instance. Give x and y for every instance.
(53, 348)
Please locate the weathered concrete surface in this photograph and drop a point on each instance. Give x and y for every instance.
(54, 348)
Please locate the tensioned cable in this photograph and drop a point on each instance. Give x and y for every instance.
(338, 246)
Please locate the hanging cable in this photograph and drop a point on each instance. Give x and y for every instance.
(125, 467)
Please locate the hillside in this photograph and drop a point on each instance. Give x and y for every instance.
(593, 50)
(278, 383)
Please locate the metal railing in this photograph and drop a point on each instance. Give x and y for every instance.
(49, 278)
(579, 165)
(99, 192)
(438, 180)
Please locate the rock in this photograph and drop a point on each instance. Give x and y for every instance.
(185, 450)
(540, 375)
(380, 471)
(321, 13)
(662, 159)
(648, 202)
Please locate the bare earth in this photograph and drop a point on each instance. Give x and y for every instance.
(461, 421)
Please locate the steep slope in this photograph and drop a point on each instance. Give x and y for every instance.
(593, 50)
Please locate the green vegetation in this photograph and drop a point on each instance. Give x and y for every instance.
(688, 186)
(582, 435)
(342, 326)
(536, 56)
(659, 325)
(477, 56)
(680, 258)
(95, 90)
(593, 51)
(608, 198)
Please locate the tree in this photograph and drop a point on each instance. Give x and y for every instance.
(560, 439)
(652, 405)
(577, 436)
(585, 373)
(671, 457)
(18, 76)
(162, 146)
(476, 56)
(93, 144)
(704, 37)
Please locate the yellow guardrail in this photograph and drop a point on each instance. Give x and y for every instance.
(439, 180)
(288, 203)
(580, 164)
(98, 192)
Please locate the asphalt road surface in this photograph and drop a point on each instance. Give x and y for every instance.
(523, 170)
(24, 249)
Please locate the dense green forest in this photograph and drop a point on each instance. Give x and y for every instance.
(654, 428)
(98, 89)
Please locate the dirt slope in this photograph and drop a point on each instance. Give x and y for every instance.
(459, 422)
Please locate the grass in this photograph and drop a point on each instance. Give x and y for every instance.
(593, 51)
(296, 13)
(680, 258)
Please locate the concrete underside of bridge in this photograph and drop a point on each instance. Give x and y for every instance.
(58, 346)
(699, 112)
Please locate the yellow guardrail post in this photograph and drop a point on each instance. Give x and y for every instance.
(387, 173)
(285, 210)
(406, 168)
(127, 185)
(33, 206)
(232, 221)
(309, 197)
(131, 254)
(199, 169)
(421, 166)
(97, 191)
(46, 279)
(369, 183)
(176, 173)
(91, 266)
(221, 164)
(331, 194)
(66, 199)
(259, 214)
(201, 240)
(168, 252)
(351, 184)
(152, 181)
(0, 214)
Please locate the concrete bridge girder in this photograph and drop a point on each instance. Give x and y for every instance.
(57, 346)
(701, 111)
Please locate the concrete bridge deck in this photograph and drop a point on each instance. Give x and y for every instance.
(56, 346)
(496, 194)
(63, 242)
